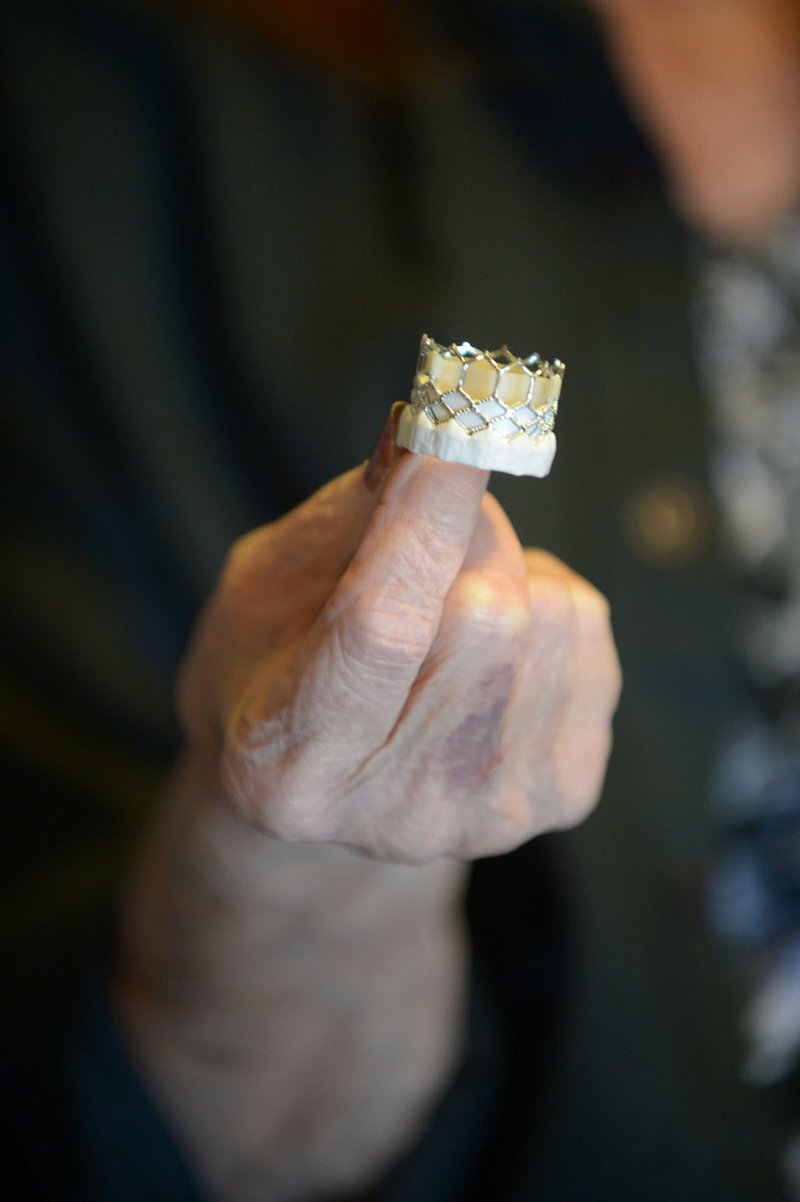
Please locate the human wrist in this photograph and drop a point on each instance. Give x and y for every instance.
(204, 880)
(239, 994)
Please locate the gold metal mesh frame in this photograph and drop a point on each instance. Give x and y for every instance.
(496, 391)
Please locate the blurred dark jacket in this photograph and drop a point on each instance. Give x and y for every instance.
(216, 265)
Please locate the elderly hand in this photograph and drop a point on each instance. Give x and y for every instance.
(717, 83)
(385, 668)
(389, 670)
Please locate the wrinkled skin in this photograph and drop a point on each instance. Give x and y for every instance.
(392, 672)
(385, 671)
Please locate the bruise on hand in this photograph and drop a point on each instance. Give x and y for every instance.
(473, 750)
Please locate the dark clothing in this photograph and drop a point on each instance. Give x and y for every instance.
(215, 271)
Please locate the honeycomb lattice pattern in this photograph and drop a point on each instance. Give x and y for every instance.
(487, 390)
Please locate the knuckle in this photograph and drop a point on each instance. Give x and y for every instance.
(547, 575)
(419, 556)
(386, 627)
(497, 607)
(592, 606)
(553, 608)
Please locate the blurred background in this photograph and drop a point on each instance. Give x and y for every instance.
(224, 227)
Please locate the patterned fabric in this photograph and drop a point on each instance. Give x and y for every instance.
(749, 327)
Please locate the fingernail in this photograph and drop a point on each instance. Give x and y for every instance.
(385, 451)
